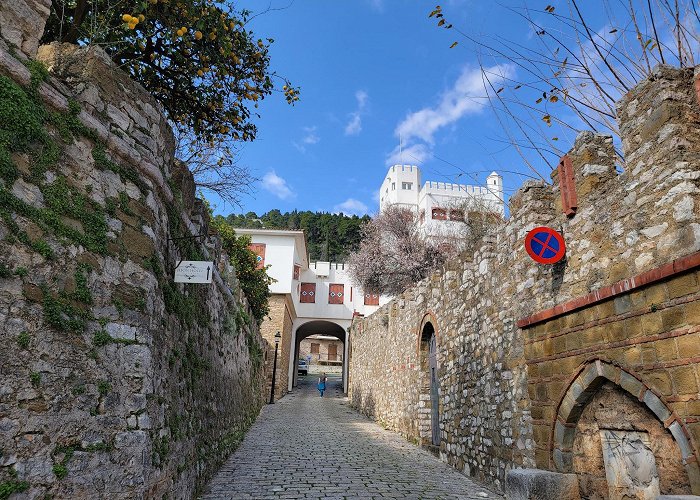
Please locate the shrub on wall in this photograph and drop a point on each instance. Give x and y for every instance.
(254, 281)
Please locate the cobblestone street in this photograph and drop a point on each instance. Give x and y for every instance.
(305, 446)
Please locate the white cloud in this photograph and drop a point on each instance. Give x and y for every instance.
(354, 126)
(361, 97)
(310, 137)
(277, 185)
(351, 206)
(467, 96)
(413, 154)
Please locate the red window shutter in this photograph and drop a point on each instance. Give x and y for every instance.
(567, 186)
(259, 250)
(457, 214)
(308, 293)
(371, 299)
(336, 294)
(439, 213)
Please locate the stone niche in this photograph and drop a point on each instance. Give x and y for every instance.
(622, 451)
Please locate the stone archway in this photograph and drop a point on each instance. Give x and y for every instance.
(628, 395)
(318, 327)
(429, 407)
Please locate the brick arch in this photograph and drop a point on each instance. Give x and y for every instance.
(585, 384)
(428, 317)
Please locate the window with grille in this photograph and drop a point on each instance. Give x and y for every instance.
(371, 299)
(439, 213)
(308, 293)
(259, 250)
(336, 294)
(457, 214)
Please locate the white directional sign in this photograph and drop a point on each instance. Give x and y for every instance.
(194, 271)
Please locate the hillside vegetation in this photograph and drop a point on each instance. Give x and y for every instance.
(331, 237)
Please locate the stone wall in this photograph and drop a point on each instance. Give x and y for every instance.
(114, 381)
(280, 320)
(482, 305)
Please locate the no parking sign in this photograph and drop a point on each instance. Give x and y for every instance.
(545, 245)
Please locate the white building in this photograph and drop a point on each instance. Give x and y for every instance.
(439, 204)
(308, 298)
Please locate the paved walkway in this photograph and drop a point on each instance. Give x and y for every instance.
(307, 447)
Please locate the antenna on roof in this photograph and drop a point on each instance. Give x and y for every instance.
(401, 148)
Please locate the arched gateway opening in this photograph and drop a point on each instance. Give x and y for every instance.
(325, 356)
(429, 426)
(620, 438)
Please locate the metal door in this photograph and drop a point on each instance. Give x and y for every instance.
(434, 420)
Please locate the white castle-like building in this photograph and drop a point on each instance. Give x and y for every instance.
(439, 205)
(312, 299)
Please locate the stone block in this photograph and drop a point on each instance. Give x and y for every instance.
(660, 382)
(563, 460)
(655, 295)
(631, 384)
(559, 344)
(681, 440)
(684, 380)
(689, 345)
(682, 285)
(692, 313)
(673, 317)
(652, 323)
(23, 23)
(666, 350)
(622, 304)
(609, 371)
(537, 484)
(656, 406)
(616, 331)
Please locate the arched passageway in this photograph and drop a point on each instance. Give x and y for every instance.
(429, 426)
(326, 329)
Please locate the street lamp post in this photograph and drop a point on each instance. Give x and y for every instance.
(278, 336)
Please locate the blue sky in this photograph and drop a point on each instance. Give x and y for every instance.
(370, 72)
(363, 66)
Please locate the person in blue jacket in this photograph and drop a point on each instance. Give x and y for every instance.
(322, 383)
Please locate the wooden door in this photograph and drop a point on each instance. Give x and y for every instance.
(435, 418)
(332, 352)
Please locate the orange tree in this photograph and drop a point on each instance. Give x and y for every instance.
(195, 56)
